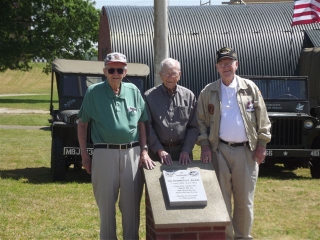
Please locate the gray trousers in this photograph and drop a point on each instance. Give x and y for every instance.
(117, 172)
(237, 174)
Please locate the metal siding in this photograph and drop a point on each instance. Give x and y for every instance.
(314, 36)
(260, 34)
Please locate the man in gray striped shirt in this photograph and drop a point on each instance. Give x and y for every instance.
(172, 128)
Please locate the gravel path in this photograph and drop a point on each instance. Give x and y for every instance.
(21, 111)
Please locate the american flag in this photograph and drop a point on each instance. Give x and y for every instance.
(306, 11)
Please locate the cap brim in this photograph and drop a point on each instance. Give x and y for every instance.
(110, 62)
(226, 57)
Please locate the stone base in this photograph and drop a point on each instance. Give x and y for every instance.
(182, 233)
(164, 222)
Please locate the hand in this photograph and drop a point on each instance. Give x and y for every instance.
(86, 162)
(165, 157)
(206, 154)
(260, 154)
(184, 158)
(146, 161)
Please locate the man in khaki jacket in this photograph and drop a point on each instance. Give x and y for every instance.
(234, 130)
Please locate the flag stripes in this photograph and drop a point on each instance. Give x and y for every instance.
(306, 11)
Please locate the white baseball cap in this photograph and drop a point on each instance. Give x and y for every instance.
(115, 57)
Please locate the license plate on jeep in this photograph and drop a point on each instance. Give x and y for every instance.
(75, 151)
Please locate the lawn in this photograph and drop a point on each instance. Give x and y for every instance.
(19, 82)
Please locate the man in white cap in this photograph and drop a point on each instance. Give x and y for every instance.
(234, 130)
(117, 113)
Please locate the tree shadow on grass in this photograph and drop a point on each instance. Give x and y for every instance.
(43, 175)
(278, 172)
(48, 128)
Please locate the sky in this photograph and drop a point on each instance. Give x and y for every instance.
(101, 3)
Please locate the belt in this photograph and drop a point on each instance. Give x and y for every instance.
(116, 146)
(233, 144)
(172, 144)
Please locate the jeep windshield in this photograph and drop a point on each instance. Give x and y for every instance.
(282, 88)
(77, 85)
(283, 94)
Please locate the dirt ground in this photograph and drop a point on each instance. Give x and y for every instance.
(21, 111)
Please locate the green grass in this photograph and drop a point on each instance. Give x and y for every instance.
(287, 203)
(25, 119)
(39, 102)
(287, 208)
(34, 81)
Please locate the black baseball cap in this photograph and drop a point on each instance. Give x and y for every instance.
(226, 52)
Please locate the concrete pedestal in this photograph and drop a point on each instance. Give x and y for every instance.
(165, 222)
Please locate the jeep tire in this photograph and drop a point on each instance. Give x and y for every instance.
(315, 168)
(315, 163)
(58, 161)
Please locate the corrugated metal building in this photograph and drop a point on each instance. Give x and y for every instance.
(261, 35)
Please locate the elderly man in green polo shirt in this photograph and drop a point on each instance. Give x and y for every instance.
(117, 113)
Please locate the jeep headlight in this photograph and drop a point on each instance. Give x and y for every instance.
(75, 121)
(308, 124)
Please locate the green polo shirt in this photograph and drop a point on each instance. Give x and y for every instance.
(114, 119)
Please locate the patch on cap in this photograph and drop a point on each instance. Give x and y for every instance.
(226, 53)
(115, 57)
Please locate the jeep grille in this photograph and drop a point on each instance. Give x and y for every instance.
(286, 132)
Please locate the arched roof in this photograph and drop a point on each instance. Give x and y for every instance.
(261, 35)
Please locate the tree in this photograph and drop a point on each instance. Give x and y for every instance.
(48, 29)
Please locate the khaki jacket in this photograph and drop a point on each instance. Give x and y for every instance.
(252, 108)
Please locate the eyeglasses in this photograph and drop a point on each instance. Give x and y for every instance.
(223, 65)
(112, 70)
(172, 74)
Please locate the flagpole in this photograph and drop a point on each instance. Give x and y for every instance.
(290, 52)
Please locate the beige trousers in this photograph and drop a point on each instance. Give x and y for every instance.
(237, 174)
(117, 172)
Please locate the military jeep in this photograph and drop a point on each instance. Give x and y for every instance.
(295, 140)
(72, 80)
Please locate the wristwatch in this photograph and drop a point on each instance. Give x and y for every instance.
(145, 147)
